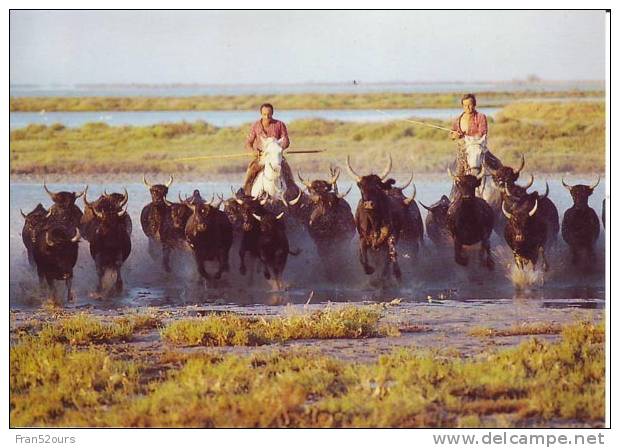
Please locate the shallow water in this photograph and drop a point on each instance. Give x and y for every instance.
(433, 279)
(225, 118)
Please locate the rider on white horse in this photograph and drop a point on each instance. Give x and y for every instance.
(471, 129)
(266, 132)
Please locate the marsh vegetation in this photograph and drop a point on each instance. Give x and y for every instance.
(56, 382)
(555, 137)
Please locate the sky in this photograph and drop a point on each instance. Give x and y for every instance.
(248, 47)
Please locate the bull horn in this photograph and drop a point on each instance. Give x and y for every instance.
(167, 202)
(23, 214)
(234, 195)
(77, 236)
(280, 215)
(568, 187)
(256, 217)
(546, 190)
(518, 171)
(48, 214)
(122, 212)
(97, 213)
(387, 169)
(531, 213)
(506, 214)
(82, 193)
(237, 200)
(408, 182)
(105, 191)
(507, 191)
(125, 197)
(212, 199)
(145, 182)
(52, 195)
(303, 181)
(335, 176)
(181, 200)
(596, 184)
(86, 203)
(525, 187)
(264, 200)
(341, 196)
(352, 173)
(47, 239)
(408, 201)
(294, 201)
(426, 207)
(169, 181)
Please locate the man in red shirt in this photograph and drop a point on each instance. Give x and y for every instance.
(267, 126)
(471, 122)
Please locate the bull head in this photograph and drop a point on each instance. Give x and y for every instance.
(569, 187)
(148, 185)
(55, 196)
(530, 213)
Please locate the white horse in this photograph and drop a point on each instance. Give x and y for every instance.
(475, 149)
(269, 180)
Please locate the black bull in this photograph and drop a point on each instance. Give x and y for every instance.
(470, 220)
(109, 228)
(376, 220)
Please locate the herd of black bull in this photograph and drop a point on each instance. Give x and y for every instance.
(386, 221)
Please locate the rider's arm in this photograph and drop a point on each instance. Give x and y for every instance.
(483, 127)
(285, 140)
(456, 134)
(249, 141)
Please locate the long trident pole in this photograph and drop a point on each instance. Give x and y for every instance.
(244, 154)
(415, 122)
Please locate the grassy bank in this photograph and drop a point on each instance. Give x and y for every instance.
(230, 329)
(535, 384)
(288, 101)
(555, 137)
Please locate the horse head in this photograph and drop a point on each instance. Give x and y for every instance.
(475, 147)
(269, 180)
